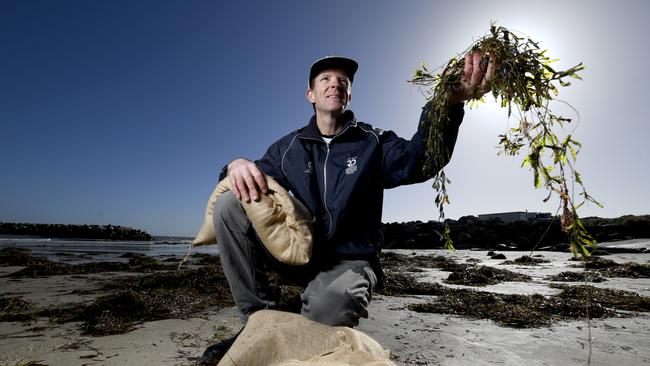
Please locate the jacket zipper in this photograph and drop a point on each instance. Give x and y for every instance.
(325, 188)
(327, 154)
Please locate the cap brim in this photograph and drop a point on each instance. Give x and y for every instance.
(348, 65)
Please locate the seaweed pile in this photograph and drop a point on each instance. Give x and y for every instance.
(609, 268)
(483, 276)
(568, 276)
(526, 260)
(36, 266)
(532, 311)
(151, 297)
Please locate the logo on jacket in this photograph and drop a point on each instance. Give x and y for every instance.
(352, 166)
(310, 168)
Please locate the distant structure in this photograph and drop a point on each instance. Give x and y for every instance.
(515, 216)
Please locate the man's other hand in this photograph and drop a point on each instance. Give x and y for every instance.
(246, 179)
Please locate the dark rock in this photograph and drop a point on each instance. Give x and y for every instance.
(107, 232)
(544, 234)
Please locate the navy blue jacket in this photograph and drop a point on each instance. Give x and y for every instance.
(342, 182)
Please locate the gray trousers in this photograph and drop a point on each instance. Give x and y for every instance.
(336, 294)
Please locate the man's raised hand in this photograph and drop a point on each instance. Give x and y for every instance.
(475, 80)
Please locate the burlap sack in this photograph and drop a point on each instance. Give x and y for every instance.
(285, 339)
(282, 222)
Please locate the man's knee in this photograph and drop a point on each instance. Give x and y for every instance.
(228, 210)
(342, 301)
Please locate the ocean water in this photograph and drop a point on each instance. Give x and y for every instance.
(84, 251)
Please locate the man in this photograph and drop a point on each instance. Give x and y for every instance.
(338, 167)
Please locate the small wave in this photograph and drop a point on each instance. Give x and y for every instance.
(632, 243)
(24, 240)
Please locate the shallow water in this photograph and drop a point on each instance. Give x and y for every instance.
(84, 251)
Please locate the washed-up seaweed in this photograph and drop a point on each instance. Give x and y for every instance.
(526, 260)
(36, 266)
(570, 276)
(392, 261)
(164, 295)
(398, 284)
(15, 308)
(610, 268)
(532, 311)
(483, 276)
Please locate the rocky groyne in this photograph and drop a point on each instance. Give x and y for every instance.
(106, 232)
(544, 234)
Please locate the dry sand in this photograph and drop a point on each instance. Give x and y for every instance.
(413, 338)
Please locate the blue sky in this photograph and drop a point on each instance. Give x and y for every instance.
(123, 112)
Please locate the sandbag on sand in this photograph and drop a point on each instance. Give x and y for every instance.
(285, 339)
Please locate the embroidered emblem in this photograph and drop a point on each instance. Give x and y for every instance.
(310, 168)
(352, 166)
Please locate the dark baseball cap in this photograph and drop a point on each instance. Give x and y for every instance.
(348, 65)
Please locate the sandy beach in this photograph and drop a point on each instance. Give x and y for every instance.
(615, 336)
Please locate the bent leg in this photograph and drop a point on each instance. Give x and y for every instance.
(242, 256)
(340, 295)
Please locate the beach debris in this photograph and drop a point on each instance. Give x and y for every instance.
(15, 308)
(13, 256)
(533, 311)
(397, 284)
(36, 266)
(605, 297)
(483, 276)
(629, 270)
(150, 297)
(570, 276)
(206, 259)
(392, 261)
(498, 256)
(526, 81)
(610, 268)
(526, 260)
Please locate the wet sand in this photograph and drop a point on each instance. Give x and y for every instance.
(414, 338)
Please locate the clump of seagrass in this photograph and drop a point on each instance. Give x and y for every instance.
(526, 81)
(526, 260)
(161, 295)
(532, 311)
(483, 276)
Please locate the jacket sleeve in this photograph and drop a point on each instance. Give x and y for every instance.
(402, 160)
(271, 164)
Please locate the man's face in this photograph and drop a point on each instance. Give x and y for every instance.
(330, 91)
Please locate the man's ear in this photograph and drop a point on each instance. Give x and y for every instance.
(310, 96)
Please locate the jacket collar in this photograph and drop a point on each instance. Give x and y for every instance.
(311, 130)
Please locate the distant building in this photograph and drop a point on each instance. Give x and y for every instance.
(507, 217)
